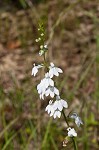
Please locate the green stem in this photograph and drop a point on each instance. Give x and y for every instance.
(74, 143)
(45, 63)
(44, 58)
(65, 118)
(73, 139)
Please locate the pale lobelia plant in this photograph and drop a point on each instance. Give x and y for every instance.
(46, 88)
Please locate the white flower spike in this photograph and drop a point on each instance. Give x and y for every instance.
(35, 69)
(71, 132)
(54, 70)
(46, 87)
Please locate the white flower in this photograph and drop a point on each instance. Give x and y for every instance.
(35, 69)
(54, 109)
(51, 90)
(48, 81)
(51, 111)
(60, 103)
(41, 89)
(77, 119)
(44, 84)
(50, 108)
(54, 70)
(71, 132)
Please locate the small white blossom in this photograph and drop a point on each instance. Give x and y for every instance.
(50, 108)
(44, 84)
(41, 89)
(60, 103)
(51, 111)
(77, 119)
(54, 109)
(71, 132)
(48, 81)
(54, 70)
(51, 90)
(35, 69)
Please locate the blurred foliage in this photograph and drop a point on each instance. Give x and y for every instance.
(20, 3)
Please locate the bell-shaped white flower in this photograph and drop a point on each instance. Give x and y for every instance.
(43, 89)
(35, 69)
(48, 81)
(71, 132)
(51, 90)
(54, 70)
(60, 103)
(50, 108)
(77, 119)
(52, 111)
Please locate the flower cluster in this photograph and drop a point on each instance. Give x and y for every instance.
(40, 40)
(54, 108)
(46, 87)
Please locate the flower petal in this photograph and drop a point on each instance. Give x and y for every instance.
(59, 70)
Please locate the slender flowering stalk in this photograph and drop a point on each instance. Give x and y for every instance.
(47, 88)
